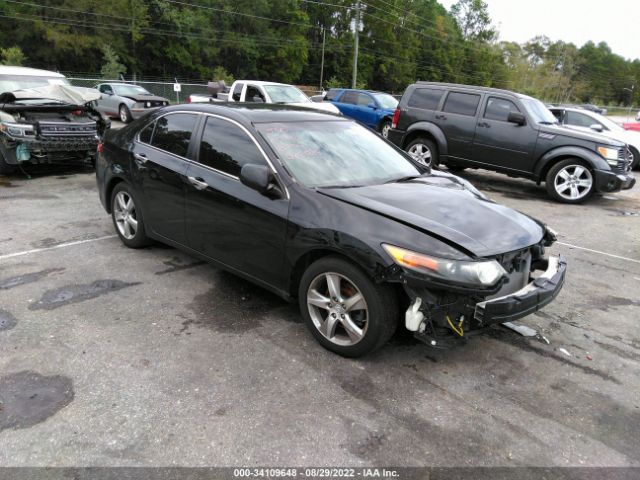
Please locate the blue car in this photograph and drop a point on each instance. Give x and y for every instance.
(374, 109)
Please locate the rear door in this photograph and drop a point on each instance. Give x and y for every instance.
(107, 103)
(159, 167)
(346, 103)
(501, 143)
(226, 220)
(457, 119)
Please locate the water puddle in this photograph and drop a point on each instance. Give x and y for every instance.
(59, 297)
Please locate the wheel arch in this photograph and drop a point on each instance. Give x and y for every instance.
(428, 130)
(108, 191)
(549, 159)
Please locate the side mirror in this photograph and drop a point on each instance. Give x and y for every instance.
(596, 127)
(372, 105)
(517, 118)
(257, 99)
(257, 177)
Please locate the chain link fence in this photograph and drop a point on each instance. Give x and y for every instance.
(161, 87)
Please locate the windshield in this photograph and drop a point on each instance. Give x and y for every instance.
(124, 90)
(11, 83)
(335, 154)
(386, 101)
(538, 111)
(285, 94)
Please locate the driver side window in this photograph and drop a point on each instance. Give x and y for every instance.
(105, 89)
(580, 120)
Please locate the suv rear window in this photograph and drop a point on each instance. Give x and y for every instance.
(426, 98)
(461, 103)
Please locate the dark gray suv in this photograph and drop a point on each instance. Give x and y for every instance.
(478, 127)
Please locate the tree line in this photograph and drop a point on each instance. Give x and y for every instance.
(400, 41)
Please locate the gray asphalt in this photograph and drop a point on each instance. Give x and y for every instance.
(117, 357)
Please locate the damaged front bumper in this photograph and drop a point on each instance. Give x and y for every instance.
(527, 300)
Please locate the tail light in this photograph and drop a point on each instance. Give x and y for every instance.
(189, 99)
(100, 147)
(396, 117)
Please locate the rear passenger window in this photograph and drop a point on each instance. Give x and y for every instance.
(461, 103)
(349, 97)
(426, 98)
(332, 94)
(499, 109)
(227, 148)
(237, 92)
(173, 133)
(364, 100)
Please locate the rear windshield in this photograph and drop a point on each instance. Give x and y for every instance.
(11, 83)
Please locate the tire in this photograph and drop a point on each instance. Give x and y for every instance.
(423, 151)
(570, 181)
(124, 114)
(375, 323)
(5, 168)
(128, 221)
(385, 125)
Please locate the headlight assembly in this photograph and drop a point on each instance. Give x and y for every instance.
(610, 154)
(483, 273)
(16, 129)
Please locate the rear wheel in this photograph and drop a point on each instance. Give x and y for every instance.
(344, 310)
(385, 126)
(127, 217)
(570, 181)
(125, 114)
(635, 163)
(423, 151)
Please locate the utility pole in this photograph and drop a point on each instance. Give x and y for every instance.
(355, 49)
(322, 61)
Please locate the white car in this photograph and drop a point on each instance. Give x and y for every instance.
(587, 121)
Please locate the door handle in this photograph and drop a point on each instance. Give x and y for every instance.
(484, 124)
(198, 182)
(140, 158)
(441, 117)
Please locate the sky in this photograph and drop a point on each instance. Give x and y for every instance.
(616, 22)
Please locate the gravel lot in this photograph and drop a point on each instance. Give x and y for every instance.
(112, 356)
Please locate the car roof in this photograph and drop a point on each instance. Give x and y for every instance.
(473, 87)
(260, 112)
(34, 72)
(263, 82)
(374, 92)
(119, 83)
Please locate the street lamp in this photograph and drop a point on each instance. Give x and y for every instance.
(630, 90)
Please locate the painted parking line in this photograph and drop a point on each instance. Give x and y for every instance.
(599, 252)
(62, 245)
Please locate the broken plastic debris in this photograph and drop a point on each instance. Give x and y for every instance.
(564, 350)
(546, 340)
(521, 329)
(413, 317)
(589, 357)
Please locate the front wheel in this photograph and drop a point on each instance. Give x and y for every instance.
(5, 168)
(570, 181)
(423, 151)
(635, 162)
(344, 309)
(385, 126)
(127, 217)
(125, 114)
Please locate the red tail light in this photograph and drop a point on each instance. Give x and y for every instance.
(100, 147)
(396, 117)
(189, 99)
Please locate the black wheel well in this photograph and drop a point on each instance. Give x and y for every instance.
(109, 191)
(383, 120)
(558, 159)
(411, 136)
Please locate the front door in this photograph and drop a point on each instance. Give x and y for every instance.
(226, 220)
(501, 143)
(159, 167)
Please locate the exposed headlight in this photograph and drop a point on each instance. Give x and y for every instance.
(484, 272)
(16, 129)
(148, 104)
(610, 154)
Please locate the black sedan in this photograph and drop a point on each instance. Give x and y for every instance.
(316, 207)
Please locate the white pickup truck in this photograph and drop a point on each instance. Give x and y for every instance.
(261, 92)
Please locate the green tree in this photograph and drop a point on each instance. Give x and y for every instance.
(12, 56)
(111, 68)
(474, 20)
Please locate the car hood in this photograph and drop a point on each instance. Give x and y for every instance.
(588, 136)
(63, 93)
(145, 98)
(447, 208)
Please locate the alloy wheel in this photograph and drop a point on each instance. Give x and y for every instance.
(385, 130)
(125, 215)
(338, 309)
(420, 153)
(573, 182)
(123, 114)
